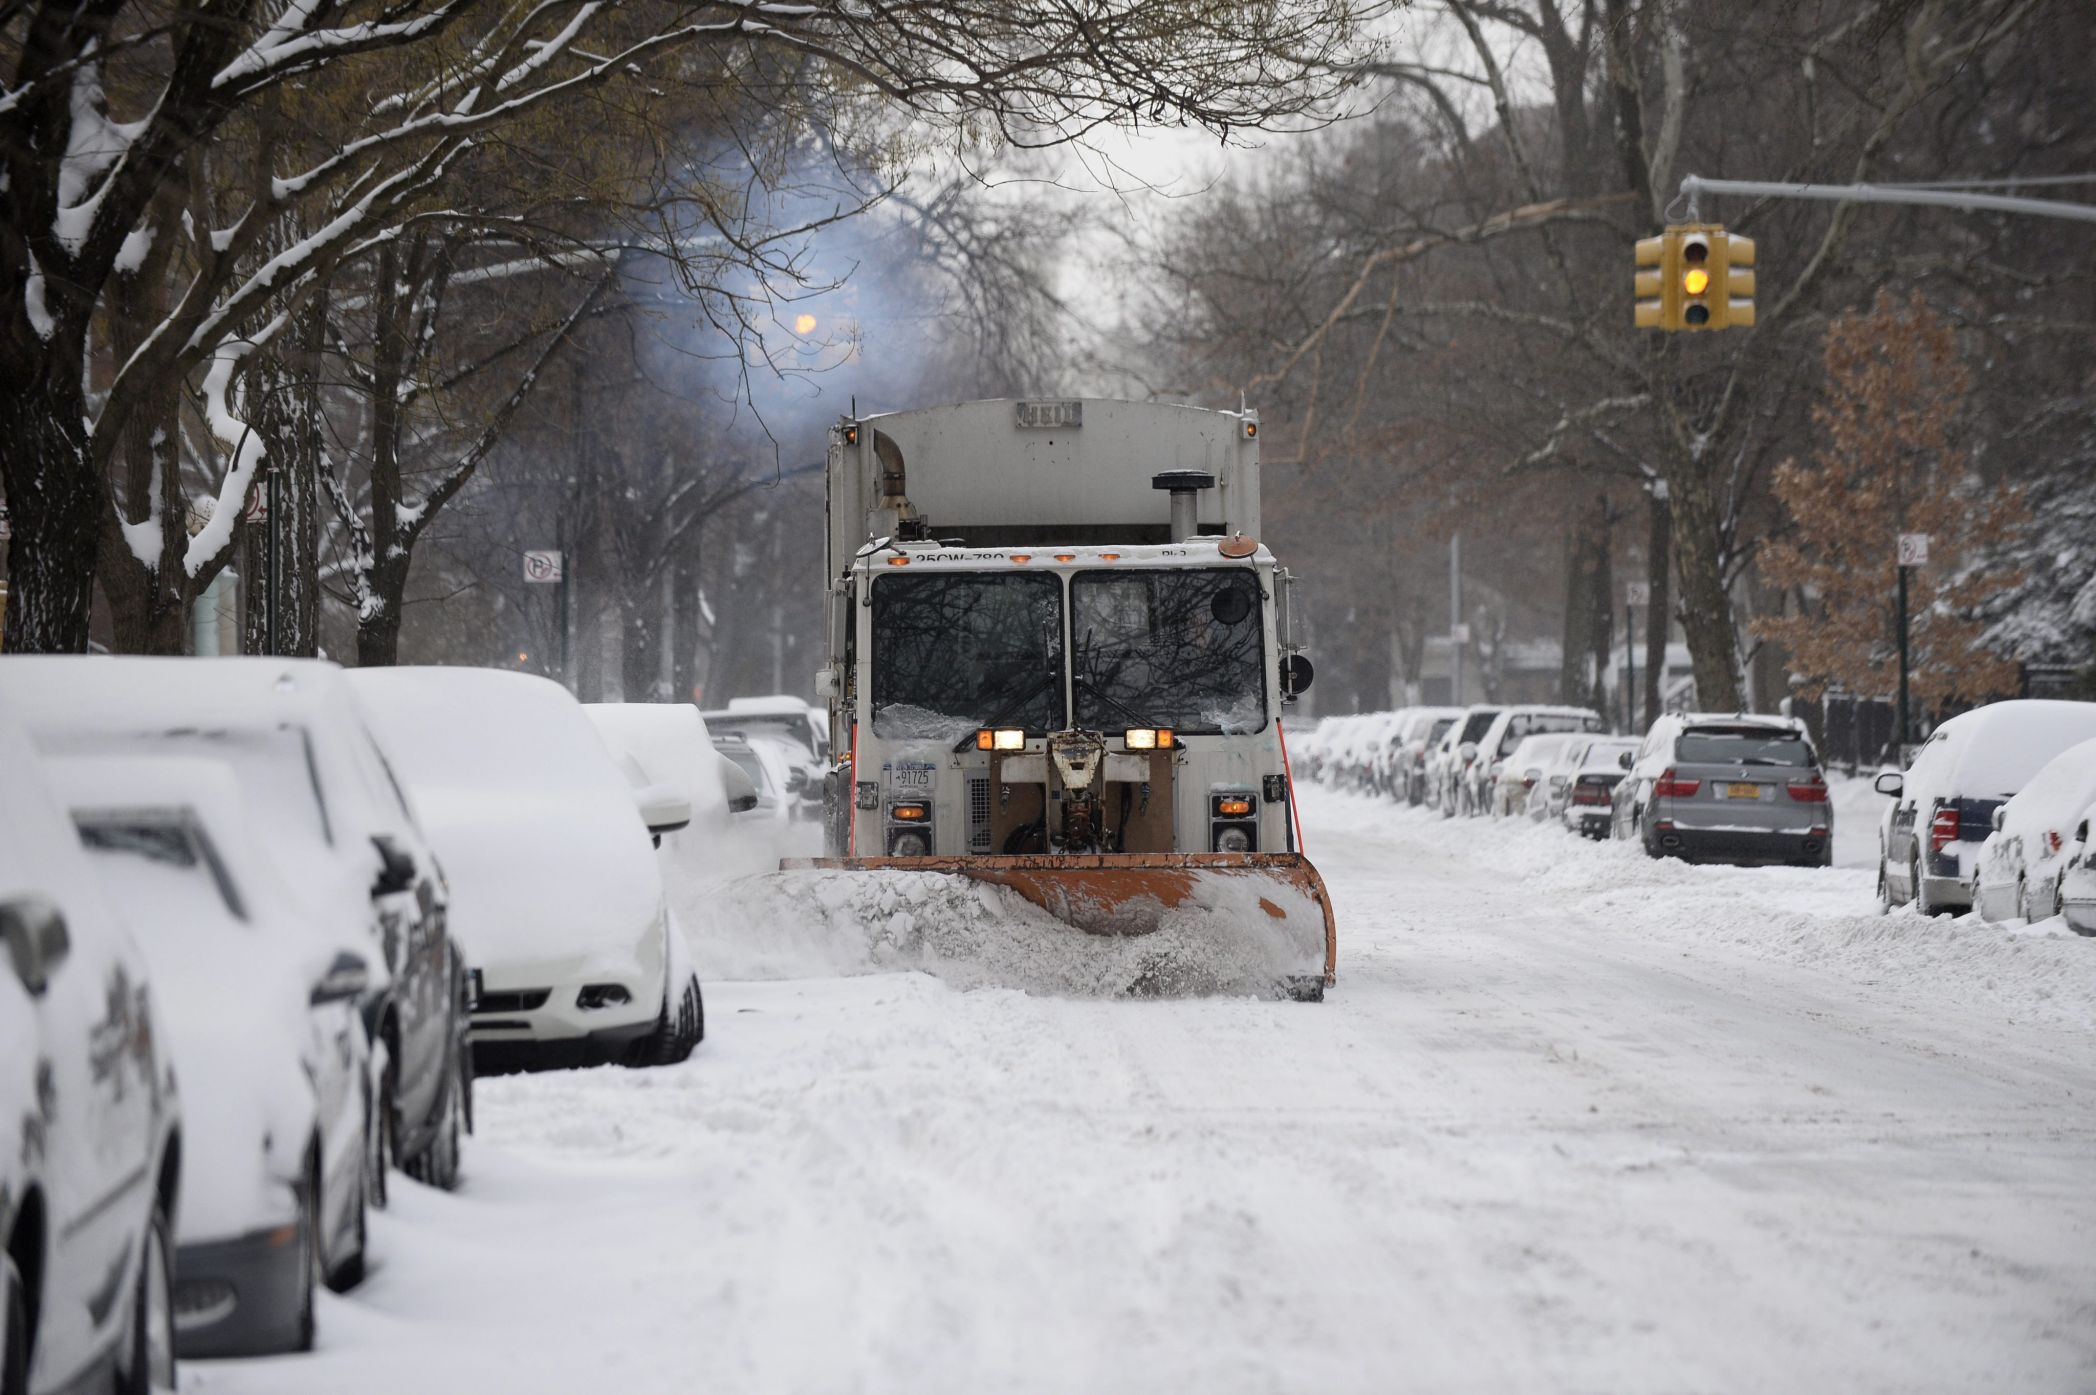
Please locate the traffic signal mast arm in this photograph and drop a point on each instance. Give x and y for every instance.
(1693, 185)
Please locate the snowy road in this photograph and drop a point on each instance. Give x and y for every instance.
(1572, 1121)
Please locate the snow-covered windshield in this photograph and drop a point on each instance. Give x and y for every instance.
(1741, 748)
(974, 649)
(1178, 649)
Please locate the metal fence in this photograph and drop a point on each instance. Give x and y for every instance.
(1854, 733)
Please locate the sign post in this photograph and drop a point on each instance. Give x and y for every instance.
(1635, 594)
(1913, 552)
(548, 567)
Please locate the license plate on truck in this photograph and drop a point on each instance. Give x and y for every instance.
(912, 775)
(1742, 791)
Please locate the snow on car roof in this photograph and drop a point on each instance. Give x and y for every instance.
(1993, 751)
(670, 743)
(137, 693)
(775, 705)
(2052, 800)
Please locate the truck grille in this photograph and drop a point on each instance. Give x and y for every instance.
(978, 815)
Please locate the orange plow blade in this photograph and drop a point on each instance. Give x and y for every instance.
(1278, 897)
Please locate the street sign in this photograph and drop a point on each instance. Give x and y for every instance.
(1914, 549)
(257, 509)
(542, 567)
(1637, 593)
(1460, 634)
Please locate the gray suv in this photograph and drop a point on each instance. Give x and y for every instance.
(1727, 787)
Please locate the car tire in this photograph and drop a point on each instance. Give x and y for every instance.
(381, 1148)
(305, 1326)
(148, 1361)
(678, 1034)
(346, 1273)
(438, 1164)
(14, 1310)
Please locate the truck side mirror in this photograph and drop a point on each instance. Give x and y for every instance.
(1296, 673)
(37, 941)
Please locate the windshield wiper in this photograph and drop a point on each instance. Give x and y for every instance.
(1093, 688)
(1047, 681)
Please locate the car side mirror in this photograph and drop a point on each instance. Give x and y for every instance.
(737, 784)
(1467, 750)
(1999, 810)
(396, 871)
(1626, 760)
(1890, 782)
(1296, 674)
(346, 980)
(37, 940)
(662, 808)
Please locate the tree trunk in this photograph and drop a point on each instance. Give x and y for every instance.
(1659, 615)
(55, 506)
(684, 633)
(1706, 608)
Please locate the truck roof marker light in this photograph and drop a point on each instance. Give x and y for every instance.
(1237, 545)
(1251, 430)
(1109, 556)
(1022, 558)
(1065, 556)
(898, 561)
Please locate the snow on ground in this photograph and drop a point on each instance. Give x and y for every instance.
(1571, 1120)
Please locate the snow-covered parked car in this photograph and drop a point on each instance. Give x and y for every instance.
(1578, 789)
(557, 898)
(1423, 726)
(797, 733)
(2077, 885)
(1448, 764)
(259, 990)
(2019, 866)
(1727, 787)
(1522, 771)
(766, 768)
(1942, 807)
(1510, 726)
(298, 742)
(90, 1124)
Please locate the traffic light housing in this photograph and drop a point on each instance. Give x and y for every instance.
(1695, 276)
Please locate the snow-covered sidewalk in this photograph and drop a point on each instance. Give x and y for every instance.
(1572, 1120)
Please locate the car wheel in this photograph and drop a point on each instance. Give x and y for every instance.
(2023, 905)
(346, 1273)
(381, 1148)
(1884, 889)
(309, 1267)
(149, 1360)
(679, 1033)
(14, 1311)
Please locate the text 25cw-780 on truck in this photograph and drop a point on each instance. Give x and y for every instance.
(1058, 660)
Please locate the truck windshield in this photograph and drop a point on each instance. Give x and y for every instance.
(954, 651)
(1178, 649)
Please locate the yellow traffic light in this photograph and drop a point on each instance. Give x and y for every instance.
(1695, 276)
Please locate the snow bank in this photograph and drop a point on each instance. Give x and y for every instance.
(1824, 919)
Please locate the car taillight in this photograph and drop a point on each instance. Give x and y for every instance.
(1813, 791)
(1943, 829)
(1528, 782)
(1668, 786)
(1590, 794)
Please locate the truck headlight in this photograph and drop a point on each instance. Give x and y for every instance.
(1147, 738)
(909, 842)
(1002, 739)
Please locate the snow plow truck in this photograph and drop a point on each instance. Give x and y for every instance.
(1058, 662)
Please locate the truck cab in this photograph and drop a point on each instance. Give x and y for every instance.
(1053, 632)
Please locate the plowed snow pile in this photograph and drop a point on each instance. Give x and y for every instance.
(810, 924)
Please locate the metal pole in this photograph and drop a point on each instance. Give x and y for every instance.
(1455, 619)
(269, 601)
(1692, 186)
(1900, 736)
(560, 538)
(1630, 663)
